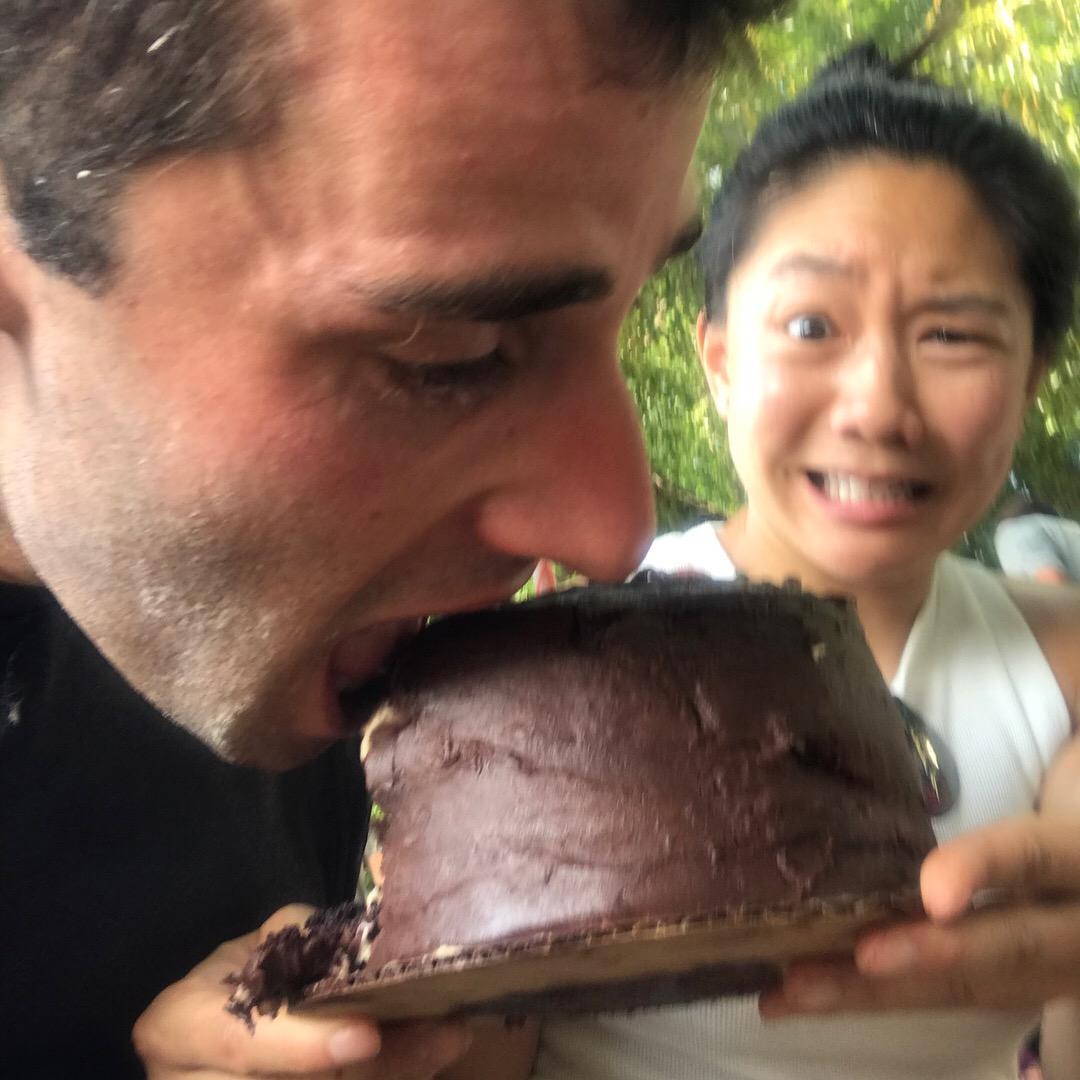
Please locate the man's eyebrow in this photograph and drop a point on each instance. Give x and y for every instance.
(962, 302)
(686, 238)
(803, 262)
(497, 296)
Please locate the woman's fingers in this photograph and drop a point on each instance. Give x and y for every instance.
(1031, 856)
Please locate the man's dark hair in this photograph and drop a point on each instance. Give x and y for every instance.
(90, 89)
(861, 104)
(668, 37)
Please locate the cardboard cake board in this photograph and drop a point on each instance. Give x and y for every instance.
(645, 966)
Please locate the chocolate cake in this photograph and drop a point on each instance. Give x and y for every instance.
(608, 760)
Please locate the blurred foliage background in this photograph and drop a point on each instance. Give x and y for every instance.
(1022, 57)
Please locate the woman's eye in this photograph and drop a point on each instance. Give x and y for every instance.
(810, 328)
(942, 335)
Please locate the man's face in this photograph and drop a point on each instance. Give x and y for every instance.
(360, 374)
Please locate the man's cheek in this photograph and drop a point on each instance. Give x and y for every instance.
(284, 491)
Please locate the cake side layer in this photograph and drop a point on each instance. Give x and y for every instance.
(576, 767)
(322, 965)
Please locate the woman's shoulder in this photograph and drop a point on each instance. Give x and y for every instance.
(1053, 613)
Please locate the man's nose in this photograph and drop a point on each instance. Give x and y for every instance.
(579, 489)
(876, 397)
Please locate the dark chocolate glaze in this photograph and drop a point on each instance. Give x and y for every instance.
(653, 752)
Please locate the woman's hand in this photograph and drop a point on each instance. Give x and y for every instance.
(186, 1032)
(1021, 950)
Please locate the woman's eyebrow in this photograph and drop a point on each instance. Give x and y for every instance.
(958, 303)
(804, 262)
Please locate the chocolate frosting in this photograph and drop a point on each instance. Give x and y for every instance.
(605, 757)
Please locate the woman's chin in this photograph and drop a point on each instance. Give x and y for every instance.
(858, 572)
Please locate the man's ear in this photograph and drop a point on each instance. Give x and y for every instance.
(13, 314)
(712, 351)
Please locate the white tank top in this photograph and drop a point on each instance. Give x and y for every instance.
(973, 669)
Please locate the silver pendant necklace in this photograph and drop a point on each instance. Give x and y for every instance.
(939, 777)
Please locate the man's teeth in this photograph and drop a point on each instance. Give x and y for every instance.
(844, 488)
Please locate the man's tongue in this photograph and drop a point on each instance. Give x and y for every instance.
(360, 656)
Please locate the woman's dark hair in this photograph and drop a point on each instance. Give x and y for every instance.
(862, 104)
(91, 89)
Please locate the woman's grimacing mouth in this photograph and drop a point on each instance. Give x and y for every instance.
(861, 489)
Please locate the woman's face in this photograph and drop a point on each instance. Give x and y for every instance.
(874, 368)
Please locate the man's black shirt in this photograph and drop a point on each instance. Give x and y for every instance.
(128, 852)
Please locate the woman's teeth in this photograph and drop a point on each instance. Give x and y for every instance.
(845, 488)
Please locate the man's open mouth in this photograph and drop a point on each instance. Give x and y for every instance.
(361, 667)
(359, 702)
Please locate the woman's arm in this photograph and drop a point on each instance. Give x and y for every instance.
(1054, 617)
(1060, 1044)
(498, 1052)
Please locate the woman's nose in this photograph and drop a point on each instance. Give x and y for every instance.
(877, 399)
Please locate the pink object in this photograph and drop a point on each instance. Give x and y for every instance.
(544, 577)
